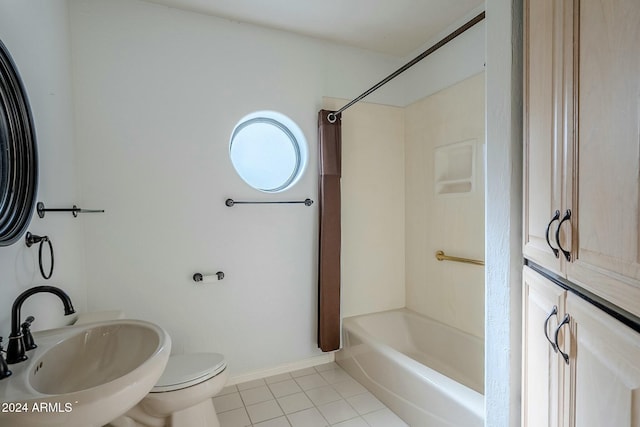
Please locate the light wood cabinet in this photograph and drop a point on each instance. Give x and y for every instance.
(582, 144)
(543, 305)
(581, 211)
(542, 137)
(604, 368)
(598, 384)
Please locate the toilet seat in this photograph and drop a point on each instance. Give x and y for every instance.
(185, 370)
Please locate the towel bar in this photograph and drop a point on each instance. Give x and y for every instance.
(440, 256)
(231, 202)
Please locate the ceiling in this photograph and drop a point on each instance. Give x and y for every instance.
(395, 27)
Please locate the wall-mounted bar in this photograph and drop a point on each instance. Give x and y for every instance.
(440, 256)
(40, 208)
(231, 202)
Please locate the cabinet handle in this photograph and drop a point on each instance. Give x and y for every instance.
(565, 321)
(554, 312)
(556, 217)
(566, 217)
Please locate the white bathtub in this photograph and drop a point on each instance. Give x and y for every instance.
(430, 374)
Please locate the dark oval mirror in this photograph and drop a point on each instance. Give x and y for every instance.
(18, 154)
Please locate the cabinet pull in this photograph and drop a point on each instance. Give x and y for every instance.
(556, 217)
(566, 217)
(565, 321)
(554, 312)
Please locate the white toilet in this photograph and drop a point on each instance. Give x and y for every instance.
(183, 395)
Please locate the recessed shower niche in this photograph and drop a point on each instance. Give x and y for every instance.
(455, 168)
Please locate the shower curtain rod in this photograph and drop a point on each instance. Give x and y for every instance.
(333, 115)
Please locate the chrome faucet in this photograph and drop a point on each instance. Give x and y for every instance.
(16, 346)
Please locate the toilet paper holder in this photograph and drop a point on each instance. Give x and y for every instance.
(199, 277)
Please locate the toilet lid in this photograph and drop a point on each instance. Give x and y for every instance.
(185, 370)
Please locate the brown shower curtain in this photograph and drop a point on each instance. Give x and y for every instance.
(330, 147)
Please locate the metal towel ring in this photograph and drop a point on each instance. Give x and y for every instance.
(32, 239)
(45, 276)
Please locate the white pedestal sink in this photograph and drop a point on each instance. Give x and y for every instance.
(84, 376)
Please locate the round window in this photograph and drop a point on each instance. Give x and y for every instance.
(268, 151)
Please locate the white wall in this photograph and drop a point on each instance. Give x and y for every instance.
(158, 92)
(373, 231)
(124, 271)
(37, 36)
(503, 213)
(450, 292)
(460, 59)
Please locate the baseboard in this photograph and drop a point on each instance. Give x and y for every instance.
(281, 369)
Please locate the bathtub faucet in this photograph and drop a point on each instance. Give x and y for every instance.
(16, 347)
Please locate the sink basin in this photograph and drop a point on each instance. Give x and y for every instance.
(84, 375)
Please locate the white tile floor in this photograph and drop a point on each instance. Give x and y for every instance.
(314, 397)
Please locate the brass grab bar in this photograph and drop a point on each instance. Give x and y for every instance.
(442, 257)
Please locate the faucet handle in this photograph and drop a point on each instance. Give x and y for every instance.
(27, 338)
(4, 369)
(27, 322)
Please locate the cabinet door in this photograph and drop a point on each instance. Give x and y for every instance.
(541, 368)
(542, 137)
(604, 369)
(605, 236)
